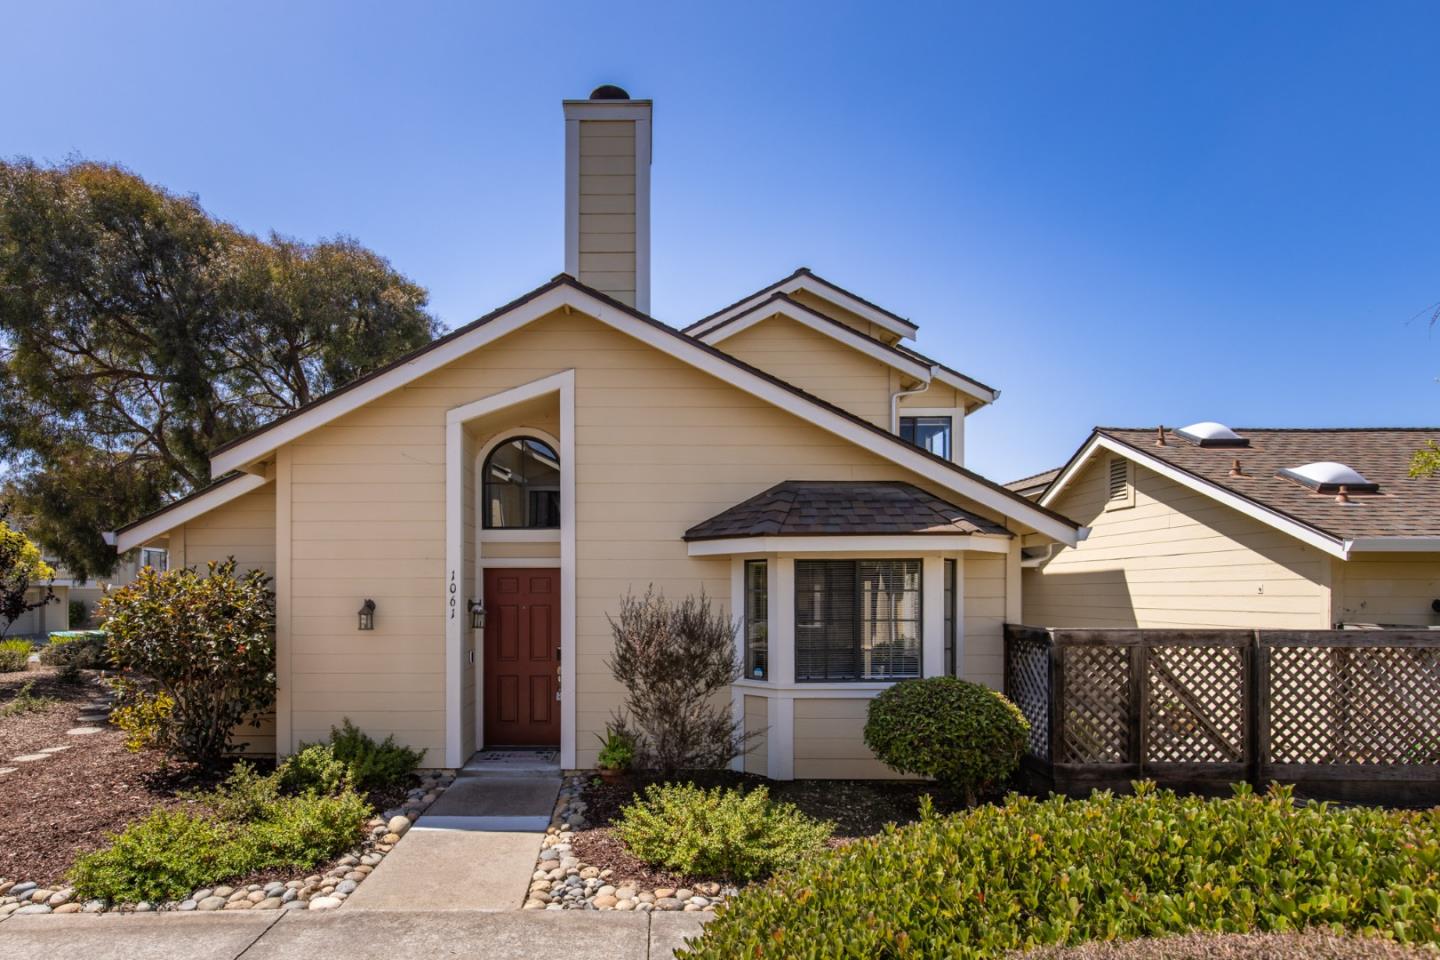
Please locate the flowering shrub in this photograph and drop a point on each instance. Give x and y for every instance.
(207, 642)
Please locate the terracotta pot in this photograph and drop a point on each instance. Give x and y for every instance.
(611, 775)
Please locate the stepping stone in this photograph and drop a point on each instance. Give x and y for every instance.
(53, 749)
(5, 770)
(93, 717)
(30, 757)
(83, 731)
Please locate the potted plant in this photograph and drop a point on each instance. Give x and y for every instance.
(617, 753)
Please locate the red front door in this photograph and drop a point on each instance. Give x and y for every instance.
(522, 656)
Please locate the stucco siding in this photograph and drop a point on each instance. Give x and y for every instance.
(1177, 558)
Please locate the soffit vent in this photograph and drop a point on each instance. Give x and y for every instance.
(1327, 476)
(1208, 433)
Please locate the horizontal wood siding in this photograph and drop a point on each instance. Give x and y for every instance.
(984, 643)
(607, 207)
(757, 723)
(1395, 589)
(830, 744)
(1177, 559)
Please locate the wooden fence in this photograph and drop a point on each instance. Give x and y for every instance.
(1347, 715)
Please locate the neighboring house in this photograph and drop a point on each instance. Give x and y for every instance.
(1031, 487)
(449, 535)
(55, 615)
(1251, 528)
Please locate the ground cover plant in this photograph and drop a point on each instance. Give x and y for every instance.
(370, 765)
(1310, 945)
(14, 655)
(720, 832)
(1000, 878)
(247, 824)
(26, 700)
(963, 734)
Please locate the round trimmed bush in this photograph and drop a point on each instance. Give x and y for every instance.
(1002, 878)
(718, 833)
(963, 734)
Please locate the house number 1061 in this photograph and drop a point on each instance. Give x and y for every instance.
(452, 594)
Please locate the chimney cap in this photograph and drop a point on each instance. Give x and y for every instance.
(608, 91)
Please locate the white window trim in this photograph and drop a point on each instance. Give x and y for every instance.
(957, 425)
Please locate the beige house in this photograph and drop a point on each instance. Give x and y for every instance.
(66, 588)
(1205, 526)
(448, 534)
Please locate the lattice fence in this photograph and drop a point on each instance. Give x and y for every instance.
(1314, 708)
(1027, 683)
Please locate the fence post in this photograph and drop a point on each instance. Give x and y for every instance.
(1057, 699)
(1257, 695)
(1138, 666)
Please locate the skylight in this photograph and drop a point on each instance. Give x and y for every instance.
(1327, 476)
(1208, 433)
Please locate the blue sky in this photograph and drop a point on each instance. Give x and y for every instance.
(1123, 214)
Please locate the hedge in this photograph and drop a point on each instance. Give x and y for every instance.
(1057, 871)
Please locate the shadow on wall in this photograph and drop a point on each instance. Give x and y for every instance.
(1091, 598)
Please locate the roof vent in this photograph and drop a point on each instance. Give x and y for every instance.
(1208, 433)
(1328, 476)
(608, 91)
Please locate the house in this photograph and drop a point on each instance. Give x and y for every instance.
(66, 589)
(449, 534)
(1205, 526)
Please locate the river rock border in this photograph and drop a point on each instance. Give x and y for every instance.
(325, 891)
(562, 882)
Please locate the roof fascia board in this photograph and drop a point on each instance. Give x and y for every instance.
(1187, 479)
(679, 346)
(778, 306)
(185, 511)
(851, 544)
(965, 385)
(803, 281)
(1392, 545)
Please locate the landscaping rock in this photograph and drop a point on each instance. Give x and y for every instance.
(32, 908)
(68, 908)
(269, 903)
(398, 825)
(212, 903)
(325, 903)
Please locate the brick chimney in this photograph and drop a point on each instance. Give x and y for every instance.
(607, 194)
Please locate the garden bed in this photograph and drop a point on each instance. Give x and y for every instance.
(581, 841)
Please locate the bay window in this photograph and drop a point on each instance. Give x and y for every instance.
(757, 620)
(857, 620)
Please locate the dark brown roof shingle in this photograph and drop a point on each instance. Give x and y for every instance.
(1403, 506)
(819, 508)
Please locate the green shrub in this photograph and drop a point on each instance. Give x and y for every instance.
(313, 770)
(617, 750)
(372, 766)
(163, 857)
(1030, 872)
(718, 832)
(142, 714)
(963, 734)
(14, 655)
(26, 701)
(82, 649)
(78, 613)
(207, 642)
(246, 826)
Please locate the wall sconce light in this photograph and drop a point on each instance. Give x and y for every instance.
(367, 615)
(477, 614)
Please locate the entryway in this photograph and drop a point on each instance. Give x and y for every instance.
(521, 661)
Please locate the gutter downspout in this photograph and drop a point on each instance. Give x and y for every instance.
(895, 404)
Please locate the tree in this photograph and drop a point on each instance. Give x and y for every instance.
(138, 333)
(208, 644)
(21, 570)
(674, 661)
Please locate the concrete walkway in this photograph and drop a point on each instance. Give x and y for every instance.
(474, 849)
(354, 935)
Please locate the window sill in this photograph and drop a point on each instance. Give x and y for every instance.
(860, 689)
(521, 535)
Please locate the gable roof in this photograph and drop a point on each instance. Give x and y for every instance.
(1403, 515)
(1034, 484)
(805, 278)
(566, 291)
(830, 507)
(904, 359)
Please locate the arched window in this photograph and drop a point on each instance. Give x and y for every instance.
(522, 486)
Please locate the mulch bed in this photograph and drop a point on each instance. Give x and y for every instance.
(858, 808)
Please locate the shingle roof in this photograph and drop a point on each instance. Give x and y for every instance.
(1034, 484)
(1403, 507)
(811, 508)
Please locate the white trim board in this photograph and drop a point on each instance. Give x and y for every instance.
(821, 288)
(850, 544)
(782, 306)
(185, 511)
(569, 293)
(1272, 518)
